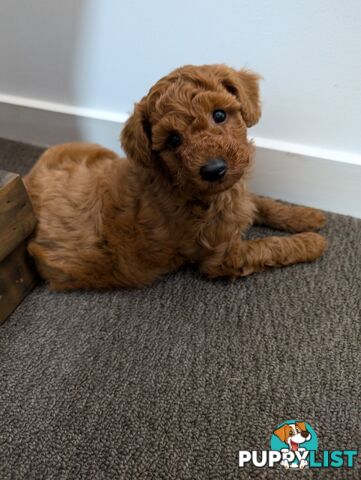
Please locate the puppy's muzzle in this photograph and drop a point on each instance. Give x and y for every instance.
(215, 169)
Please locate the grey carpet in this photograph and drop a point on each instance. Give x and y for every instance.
(169, 382)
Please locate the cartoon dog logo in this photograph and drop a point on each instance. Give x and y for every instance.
(293, 434)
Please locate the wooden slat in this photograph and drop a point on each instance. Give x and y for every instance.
(17, 278)
(17, 219)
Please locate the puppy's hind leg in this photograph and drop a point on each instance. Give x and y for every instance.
(287, 217)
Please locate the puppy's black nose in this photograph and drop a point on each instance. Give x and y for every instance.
(213, 170)
(305, 434)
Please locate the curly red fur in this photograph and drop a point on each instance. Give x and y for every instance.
(109, 222)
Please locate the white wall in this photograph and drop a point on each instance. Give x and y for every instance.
(105, 55)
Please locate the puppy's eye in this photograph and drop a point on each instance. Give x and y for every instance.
(174, 140)
(291, 433)
(219, 116)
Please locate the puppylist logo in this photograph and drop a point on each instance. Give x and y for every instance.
(294, 445)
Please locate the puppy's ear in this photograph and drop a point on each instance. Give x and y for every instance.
(244, 85)
(136, 136)
(252, 106)
(302, 426)
(281, 433)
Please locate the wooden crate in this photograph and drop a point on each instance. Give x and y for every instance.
(17, 221)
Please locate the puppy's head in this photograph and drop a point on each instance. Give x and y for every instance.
(192, 127)
(293, 434)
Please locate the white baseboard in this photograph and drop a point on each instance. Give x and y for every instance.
(44, 123)
(308, 178)
(322, 178)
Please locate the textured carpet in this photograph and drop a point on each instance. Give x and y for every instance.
(169, 382)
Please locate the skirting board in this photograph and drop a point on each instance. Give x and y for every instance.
(308, 180)
(321, 178)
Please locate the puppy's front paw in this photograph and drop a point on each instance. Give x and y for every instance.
(285, 464)
(314, 245)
